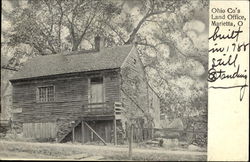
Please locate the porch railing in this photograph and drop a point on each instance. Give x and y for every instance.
(103, 108)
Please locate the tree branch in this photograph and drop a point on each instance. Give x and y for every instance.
(149, 13)
(146, 44)
(51, 13)
(9, 68)
(112, 28)
(136, 29)
(75, 46)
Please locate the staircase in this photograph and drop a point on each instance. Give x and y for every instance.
(66, 128)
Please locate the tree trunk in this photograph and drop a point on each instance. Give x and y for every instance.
(75, 46)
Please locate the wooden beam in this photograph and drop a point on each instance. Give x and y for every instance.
(115, 133)
(73, 135)
(82, 132)
(98, 117)
(95, 133)
(106, 133)
(91, 136)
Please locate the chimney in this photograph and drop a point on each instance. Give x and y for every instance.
(99, 43)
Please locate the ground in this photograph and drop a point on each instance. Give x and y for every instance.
(69, 151)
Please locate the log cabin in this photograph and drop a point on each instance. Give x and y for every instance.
(85, 96)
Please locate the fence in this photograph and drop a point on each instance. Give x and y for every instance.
(142, 134)
(196, 133)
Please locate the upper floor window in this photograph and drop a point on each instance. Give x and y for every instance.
(46, 94)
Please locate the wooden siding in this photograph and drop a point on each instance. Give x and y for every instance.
(39, 130)
(154, 107)
(134, 85)
(70, 96)
(137, 96)
(104, 128)
(112, 87)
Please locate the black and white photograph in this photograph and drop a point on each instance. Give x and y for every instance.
(104, 80)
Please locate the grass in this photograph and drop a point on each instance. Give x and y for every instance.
(32, 150)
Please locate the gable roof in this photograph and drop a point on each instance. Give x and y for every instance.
(106, 58)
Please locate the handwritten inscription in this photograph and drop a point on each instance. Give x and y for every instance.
(225, 64)
(232, 35)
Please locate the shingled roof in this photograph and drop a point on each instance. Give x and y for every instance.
(106, 58)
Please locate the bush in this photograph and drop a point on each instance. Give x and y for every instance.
(14, 136)
(158, 134)
(161, 143)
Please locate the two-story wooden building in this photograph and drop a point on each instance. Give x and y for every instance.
(84, 96)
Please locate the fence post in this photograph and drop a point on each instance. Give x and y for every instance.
(130, 141)
(73, 135)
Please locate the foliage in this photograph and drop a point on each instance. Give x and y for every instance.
(50, 26)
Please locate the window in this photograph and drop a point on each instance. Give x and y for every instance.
(97, 80)
(46, 94)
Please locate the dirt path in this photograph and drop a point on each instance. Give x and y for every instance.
(28, 150)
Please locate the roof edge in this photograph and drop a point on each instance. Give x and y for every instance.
(57, 75)
(124, 61)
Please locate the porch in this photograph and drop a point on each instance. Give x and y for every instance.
(102, 111)
(98, 121)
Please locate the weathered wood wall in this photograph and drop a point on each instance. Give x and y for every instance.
(71, 93)
(138, 98)
(134, 90)
(154, 107)
(39, 130)
(104, 128)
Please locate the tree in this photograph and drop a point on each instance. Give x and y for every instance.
(175, 54)
(54, 26)
(173, 61)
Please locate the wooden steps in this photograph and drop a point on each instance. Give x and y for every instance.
(70, 128)
(63, 132)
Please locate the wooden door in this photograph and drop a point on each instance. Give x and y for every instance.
(96, 92)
